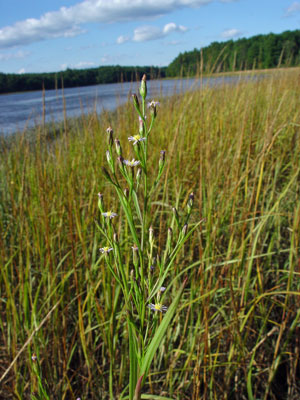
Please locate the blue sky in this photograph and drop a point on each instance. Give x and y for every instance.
(51, 35)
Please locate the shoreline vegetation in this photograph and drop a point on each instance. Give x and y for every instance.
(259, 52)
(54, 129)
(235, 331)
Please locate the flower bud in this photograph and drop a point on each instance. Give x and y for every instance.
(190, 203)
(110, 135)
(108, 156)
(135, 250)
(143, 87)
(118, 147)
(136, 102)
(185, 229)
(151, 234)
(153, 108)
(162, 159)
(176, 215)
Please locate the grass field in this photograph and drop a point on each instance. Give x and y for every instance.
(235, 331)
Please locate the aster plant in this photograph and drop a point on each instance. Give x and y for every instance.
(141, 284)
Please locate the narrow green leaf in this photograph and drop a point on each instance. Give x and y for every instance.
(137, 206)
(160, 281)
(133, 360)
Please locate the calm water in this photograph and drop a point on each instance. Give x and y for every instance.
(22, 110)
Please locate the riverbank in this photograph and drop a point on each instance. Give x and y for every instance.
(25, 111)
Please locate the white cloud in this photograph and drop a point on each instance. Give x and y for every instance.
(172, 27)
(293, 9)
(122, 39)
(11, 56)
(231, 33)
(149, 32)
(67, 21)
(21, 71)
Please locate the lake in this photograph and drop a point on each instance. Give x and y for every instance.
(20, 111)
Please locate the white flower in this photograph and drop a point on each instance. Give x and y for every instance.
(157, 307)
(153, 104)
(136, 138)
(109, 214)
(162, 289)
(131, 163)
(105, 250)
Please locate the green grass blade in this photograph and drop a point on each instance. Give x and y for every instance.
(133, 360)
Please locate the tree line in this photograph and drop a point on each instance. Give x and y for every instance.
(76, 77)
(257, 52)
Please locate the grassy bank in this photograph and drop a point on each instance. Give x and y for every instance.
(236, 331)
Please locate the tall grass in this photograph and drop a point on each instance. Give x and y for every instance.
(235, 333)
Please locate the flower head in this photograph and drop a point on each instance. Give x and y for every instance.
(153, 104)
(136, 138)
(157, 307)
(131, 163)
(105, 250)
(109, 214)
(110, 135)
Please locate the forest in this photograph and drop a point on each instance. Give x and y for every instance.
(258, 52)
(76, 77)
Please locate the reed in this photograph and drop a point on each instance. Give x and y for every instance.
(235, 331)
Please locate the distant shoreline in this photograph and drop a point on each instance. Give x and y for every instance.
(204, 75)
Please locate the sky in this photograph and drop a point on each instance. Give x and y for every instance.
(52, 35)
